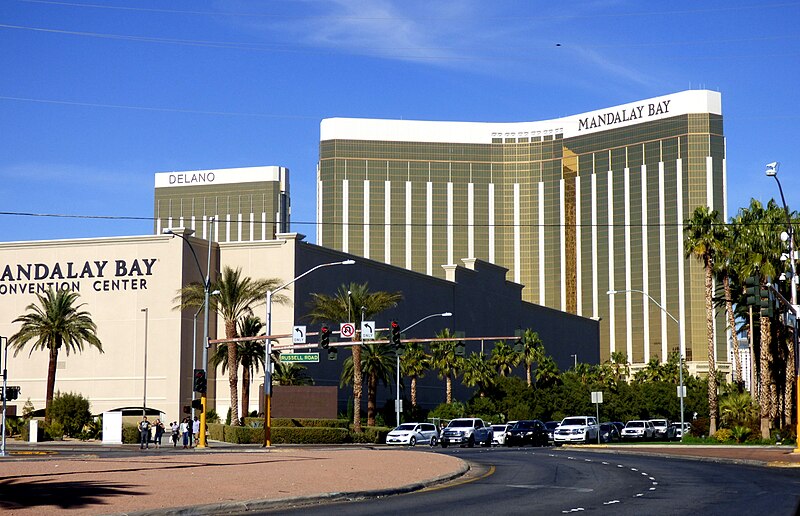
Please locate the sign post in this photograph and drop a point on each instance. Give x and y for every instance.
(597, 399)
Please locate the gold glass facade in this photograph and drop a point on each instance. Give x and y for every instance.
(570, 217)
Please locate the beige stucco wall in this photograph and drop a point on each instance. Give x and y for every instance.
(114, 378)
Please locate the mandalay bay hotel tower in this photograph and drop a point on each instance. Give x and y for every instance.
(573, 207)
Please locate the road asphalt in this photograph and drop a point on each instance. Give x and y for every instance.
(92, 478)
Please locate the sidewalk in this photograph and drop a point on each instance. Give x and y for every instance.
(224, 479)
(771, 456)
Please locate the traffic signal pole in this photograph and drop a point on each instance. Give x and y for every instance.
(4, 340)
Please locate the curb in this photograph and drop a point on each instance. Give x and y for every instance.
(264, 505)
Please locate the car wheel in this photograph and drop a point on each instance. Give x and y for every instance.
(489, 441)
(444, 444)
(412, 441)
(433, 440)
(471, 441)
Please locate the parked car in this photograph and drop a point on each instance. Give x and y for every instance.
(499, 433)
(576, 429)
(551, 427)
(638, 429)
(680, 432)
(529, 431)
(412, 433)
(608, 433)
(663, 429)
(467, 431)
(620, 425)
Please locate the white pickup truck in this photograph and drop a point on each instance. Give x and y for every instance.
(467, 431)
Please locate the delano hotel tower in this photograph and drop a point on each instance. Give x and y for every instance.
(572, 207)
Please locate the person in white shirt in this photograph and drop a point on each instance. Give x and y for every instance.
(185, 432)
(196, 430)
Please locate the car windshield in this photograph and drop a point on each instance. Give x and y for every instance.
(524, 424)
(635, 424)
(574, 421)
(659, 422)
(551, 425)
(405, 427)
(498, 427)
(462, 423)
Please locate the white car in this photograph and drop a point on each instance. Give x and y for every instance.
(499, 434)
(638, 429)
(679, 433)
(576, 429)
(412, 433)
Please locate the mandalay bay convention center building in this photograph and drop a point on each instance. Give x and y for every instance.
(573, 207)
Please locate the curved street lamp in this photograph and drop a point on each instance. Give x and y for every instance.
(680, 343)
(206, 291)
(772, 171)
(268, 349)
(397, 399)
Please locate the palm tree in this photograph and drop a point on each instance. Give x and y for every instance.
(238, 295)
(415, 362)
(291, 374)
(478, 372)
(726, 267)
(547, 373)
(504, 358)
(737, 409)
(445, 360)
(378, 362)
(250, 354)
(530, 344)
(55, 323)
(352, 300)
(703, 240)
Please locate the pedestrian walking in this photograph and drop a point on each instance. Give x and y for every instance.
(144, 433)
(159, 431)
(196, 430)
(175, 427)
(185, 430)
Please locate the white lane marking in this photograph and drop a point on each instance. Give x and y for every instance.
(576, 509)
(638, 495)
(651, 478)
(652, 488)
(620, 466)
(610, 502)
(634, 469)
(604, 462)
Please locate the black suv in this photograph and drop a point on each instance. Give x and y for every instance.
(530, 431)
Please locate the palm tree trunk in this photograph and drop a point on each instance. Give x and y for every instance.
(233, 372)
(449, 383)
(753, 358)
(790, 382)
(737, 358)
(245, 391)
(357, 388)
(528, 374)
(764, 366)
(51, 378)
(712, 355)
(414, 391)
(372, 394)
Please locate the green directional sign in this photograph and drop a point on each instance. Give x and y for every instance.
(299, 357)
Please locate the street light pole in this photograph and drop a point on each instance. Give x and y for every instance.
(144, 373)
(206, 292)
(772, 171)
(268, 349)
(680, 344)
(397, 356)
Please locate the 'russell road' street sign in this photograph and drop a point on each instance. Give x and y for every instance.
(299, 357)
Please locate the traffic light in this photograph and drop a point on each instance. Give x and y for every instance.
(459, 348)
(197, 404)
(753, 290)
(766, 303)
(333, 354)
(11, 393)
(519, 347)
(324, 337)
(200, 382)
(396, 335)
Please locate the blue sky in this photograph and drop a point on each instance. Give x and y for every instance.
(96, 96)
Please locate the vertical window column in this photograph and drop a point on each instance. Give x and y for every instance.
(595, 286)
(612, 305)
(542, 267)
(628, 286)
(408, 225)
(387, 219)
(578, 260)
(367, 227)
(645, 268)
(517, 243)
(491, 223)
(680, 258)
(562, 221)
(450, 223)
(429, 228)
(345, 215)
(471, 220)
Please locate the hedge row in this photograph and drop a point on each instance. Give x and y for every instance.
(296, 435)
(298, 422)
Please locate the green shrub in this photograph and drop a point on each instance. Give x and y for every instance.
(740, 433)
(212, 416)
(68, 413)
(310, 435)
(54, 430)
(298, 422)
(448, 411)
(723, 435)
(130, 434)
(371, 435)
(93, 429)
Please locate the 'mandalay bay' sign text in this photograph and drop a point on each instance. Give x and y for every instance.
(624, 115)
(101, 275)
